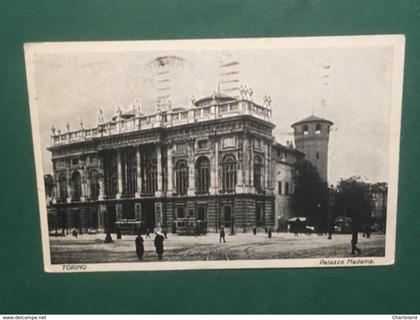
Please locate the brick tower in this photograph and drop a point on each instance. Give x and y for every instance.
(311, 137)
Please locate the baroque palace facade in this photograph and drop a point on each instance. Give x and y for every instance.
(209, 165)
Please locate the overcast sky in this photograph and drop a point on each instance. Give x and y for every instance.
(349, 86)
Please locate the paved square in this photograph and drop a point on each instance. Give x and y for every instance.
(92, 249)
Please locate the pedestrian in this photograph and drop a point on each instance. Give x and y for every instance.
(265, 229)
(139, 247)
(269, 233)
(368, 231)
(148, 233)
(197, 230)
(222, 235)
(165, 233)
(354, 240)
(254, 230)
(296, 226)
(74, 233)
(159, 244)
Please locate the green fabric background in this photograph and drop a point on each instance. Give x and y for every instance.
(26, 288)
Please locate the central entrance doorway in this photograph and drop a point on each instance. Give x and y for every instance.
(148, 215)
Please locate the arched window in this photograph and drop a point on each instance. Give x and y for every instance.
(111, 174)
(229, 173)
(129, 171)
(258, 168)
(203, 175)
(76, 185)
(227, 216)
(63, 186)
(94, 185)
(318, 128)
(181, 177)
(151, 176)
(305, 129)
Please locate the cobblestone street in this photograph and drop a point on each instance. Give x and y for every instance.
(92, 249)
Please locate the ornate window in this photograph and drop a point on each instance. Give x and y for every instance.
(203, 175)
(111, 175)
(181, 177)
(258, 168)
(62, 180)
(151, 176)
(129, 171)
(76, 185)
(229, 173)
(202, 144)
(94, 185)
(181, 148)
(229, 142)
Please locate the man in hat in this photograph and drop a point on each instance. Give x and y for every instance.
(159, 244)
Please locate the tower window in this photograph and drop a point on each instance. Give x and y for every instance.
(286, 191)
(305, 129)
(279, 187)
(318, 128)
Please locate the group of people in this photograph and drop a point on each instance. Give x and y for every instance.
(158, 242)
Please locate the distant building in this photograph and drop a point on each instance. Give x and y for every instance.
(284, 159)
(379, 202)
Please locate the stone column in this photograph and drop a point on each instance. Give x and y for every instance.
(120, 180)
(101, 177)
(88, 188)
(214, 170)
(56, 191)
(68, 183)
(170, 173)
(240, 182)
(251, 166)
(158, 192)
(245, 161)
(138, 169)
(191, 171)
(83, 186)
(266, 177)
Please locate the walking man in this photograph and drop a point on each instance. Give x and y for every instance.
(159, 244)
(222, 235)
(254, 230)
(354, 240)
(148, 233)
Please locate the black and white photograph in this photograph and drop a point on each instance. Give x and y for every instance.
(217, 154)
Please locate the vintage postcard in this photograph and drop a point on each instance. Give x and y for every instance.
(217, 154)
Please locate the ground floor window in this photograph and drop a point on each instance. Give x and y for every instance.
(201, 213)
(227, 216)
(258, 216)
(180, 212)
